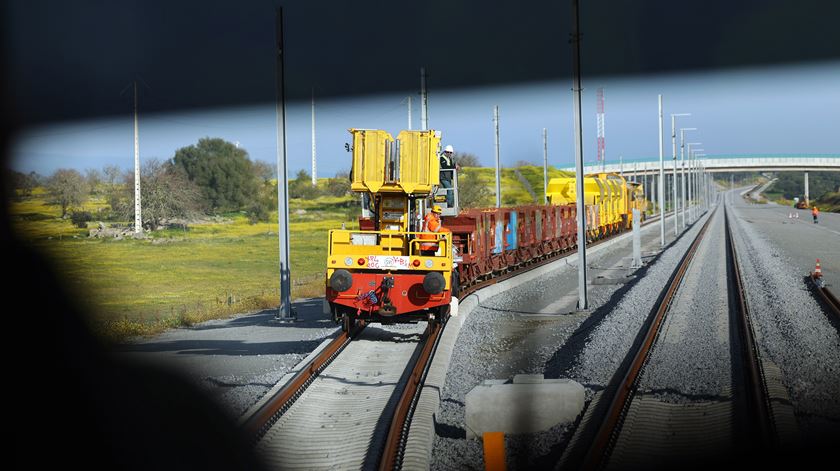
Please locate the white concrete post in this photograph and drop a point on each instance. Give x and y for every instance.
(637, 238)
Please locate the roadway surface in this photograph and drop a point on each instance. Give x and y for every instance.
(799, 241)
(236, 361)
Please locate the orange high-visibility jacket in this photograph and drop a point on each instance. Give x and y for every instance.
(815, 211)
(430, 224)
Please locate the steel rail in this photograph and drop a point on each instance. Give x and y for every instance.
(260, 421)
(401, 421)
(830, 300)
(759, 411)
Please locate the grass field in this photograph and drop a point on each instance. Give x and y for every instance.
(215, 269)
(178, 277)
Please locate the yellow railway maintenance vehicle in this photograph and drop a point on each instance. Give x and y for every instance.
(609, 199)
(378, 272)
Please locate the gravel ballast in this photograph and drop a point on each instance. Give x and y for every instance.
(526, 330)
(792, 331)
(690, 359)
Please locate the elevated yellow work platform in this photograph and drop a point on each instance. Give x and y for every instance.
(406, 165)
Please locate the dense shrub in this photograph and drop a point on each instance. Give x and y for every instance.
(81, 218)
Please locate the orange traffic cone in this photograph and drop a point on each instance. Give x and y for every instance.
(818, 270)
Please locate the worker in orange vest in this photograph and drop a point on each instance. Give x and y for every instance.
(431, 223)
(815, 212)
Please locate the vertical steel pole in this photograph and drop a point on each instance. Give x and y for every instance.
(676, 205)
(285, 310)
(545, 164)
(661, 181)
(689, 182)
(138, 219)
(409, 113)
(693, 194)
(314, 166)
(682, 177)
(581, 210)
(695, 188)
(637, 238)
(424, 111)
(498, 162)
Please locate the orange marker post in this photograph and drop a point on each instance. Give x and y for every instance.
(494, 451)
(818, 270)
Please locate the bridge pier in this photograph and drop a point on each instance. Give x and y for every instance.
(807, 197)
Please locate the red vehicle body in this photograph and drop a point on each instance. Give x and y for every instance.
(497, 240)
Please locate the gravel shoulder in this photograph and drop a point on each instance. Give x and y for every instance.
(794, 334)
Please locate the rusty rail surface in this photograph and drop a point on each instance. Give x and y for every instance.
(401, 421)
(830, 300)
(267, 415)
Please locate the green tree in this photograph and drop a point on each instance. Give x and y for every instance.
(792, 184)
(165, 193)
(24, 182)
(221, 170)
(66, 188)
(301, 186)
(264, 171)
(93, 178)
(114, 191)
(340, 185)
(111, 174)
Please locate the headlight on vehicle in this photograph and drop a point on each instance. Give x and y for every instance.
(434, 283)
(341, 280)
(348, 261)
(429, 264)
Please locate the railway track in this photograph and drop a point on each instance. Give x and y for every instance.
(382, 429)
(640, 418)
(350, 406)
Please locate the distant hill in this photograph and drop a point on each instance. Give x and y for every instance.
(515, 190)
(829, 202)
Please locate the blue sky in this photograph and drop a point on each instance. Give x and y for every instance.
(769, 110)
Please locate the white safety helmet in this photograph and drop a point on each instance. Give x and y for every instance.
(448, 149)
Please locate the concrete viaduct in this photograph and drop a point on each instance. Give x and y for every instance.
(643, 168)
